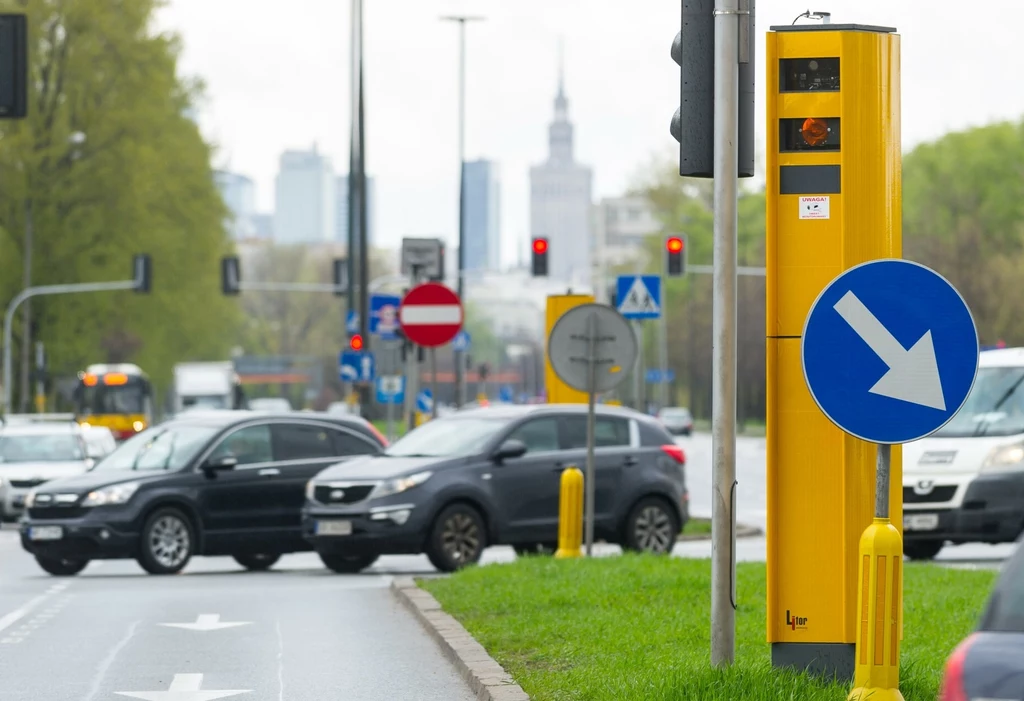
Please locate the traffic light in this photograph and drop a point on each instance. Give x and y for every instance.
(230, 275)
(142, 273)
(675, 248)
(693, 124)
(13, 66)
(540, 257)
(340, 277)
(356, 342)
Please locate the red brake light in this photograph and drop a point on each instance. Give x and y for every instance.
(953, 681)
(380, 436)
(675, 452)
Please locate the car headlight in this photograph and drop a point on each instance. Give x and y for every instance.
(30, 499)
(115, 494)
(400, 484)
(1008, 458)
(310, 489)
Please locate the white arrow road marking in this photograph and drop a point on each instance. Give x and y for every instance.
(184, 687)
(913, 374)
(206, 621)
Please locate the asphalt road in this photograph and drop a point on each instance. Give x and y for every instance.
(307, 634)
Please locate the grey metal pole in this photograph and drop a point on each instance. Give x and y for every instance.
(352, 243)
(433, 383)
(663, 358)
(641, 368)
(883, 460)
(590, 486)
(723, 410)
(26, 316)
(40, 388)
(636, 366)
(389, 410)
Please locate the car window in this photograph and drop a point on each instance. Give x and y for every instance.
(303, 442)
(539, 435)
(348, 444)
(609, 432)
(251, 445)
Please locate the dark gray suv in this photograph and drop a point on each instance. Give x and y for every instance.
(491, 476)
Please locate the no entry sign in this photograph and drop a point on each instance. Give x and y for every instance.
(430, 314)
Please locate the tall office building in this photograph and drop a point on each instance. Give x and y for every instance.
(304, 198)
(560, 201)
(481, 214)
(341, 207)
(239, 194)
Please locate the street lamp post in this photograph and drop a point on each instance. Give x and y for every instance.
(460, 369)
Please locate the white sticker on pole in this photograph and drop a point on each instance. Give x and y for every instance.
(814, 207)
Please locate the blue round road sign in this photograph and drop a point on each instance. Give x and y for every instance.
(890, 351)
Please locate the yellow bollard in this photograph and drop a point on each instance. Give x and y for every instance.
(570, 514)
(879, 615)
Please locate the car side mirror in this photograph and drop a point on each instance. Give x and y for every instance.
(511, 448)
(220, 464)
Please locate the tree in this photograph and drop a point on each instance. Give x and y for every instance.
(109, 165)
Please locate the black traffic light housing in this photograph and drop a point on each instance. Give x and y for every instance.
(340, 277)
(142, 273)
(675, 254)
(230, 275)
(693, 124)
(539, 252)
(13, 66)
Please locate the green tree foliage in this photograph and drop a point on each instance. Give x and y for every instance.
(140, 181)
(684, 206)
(963, 215)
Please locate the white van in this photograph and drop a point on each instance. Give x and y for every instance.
(965, 482)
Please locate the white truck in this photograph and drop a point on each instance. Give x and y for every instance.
(213, 385)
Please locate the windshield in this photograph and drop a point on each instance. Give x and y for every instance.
(995, 406)
(159, 448)
(116, 399)
(215, 401)
(675, 414)
(40, 447)
(443, 438)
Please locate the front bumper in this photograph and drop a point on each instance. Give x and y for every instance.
(991, 511)
(385, 529)
(90, 537)
(12, 502)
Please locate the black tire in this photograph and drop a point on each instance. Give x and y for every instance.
(347, 564)
(922, 549)
(457, 538)
(61, 567)
(167, 542)
(651, 527)
(535, 548)
(257, 562)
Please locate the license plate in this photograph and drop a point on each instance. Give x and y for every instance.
(45, 533)
(334, 528)
(920, 522)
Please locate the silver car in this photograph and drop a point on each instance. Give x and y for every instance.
(31, 454)
(676, 420)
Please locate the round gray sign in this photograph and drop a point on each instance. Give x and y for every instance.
(614, 352)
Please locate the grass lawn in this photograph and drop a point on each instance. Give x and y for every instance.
(697, 526)
(637, 627)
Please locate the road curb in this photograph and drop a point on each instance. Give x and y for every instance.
(742, 531)
(488, 680)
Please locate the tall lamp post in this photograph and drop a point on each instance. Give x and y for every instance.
(460, 365)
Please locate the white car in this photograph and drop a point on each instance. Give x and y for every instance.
(34, 453)
(965, 482)
(270, 404)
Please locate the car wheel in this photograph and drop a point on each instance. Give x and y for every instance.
(347, 564)
(922, 549)
(651, 527)
(257, 562)
(167, 542)
(457, 538)
(61, 567)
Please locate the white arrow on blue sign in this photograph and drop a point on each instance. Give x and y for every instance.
(425, 401)
(356, 366)
(890, 351)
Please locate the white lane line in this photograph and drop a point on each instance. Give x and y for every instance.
(280, 660)
(108, 661)
(19, 613)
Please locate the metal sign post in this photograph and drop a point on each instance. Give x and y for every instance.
(591, 348)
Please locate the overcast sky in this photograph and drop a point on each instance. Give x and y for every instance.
(277, 78)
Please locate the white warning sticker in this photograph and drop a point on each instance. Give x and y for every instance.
(815, 207)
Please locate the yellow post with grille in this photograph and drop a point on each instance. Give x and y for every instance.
(570, 514)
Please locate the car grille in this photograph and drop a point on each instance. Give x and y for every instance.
(936, 495)
(26, 484)
(342, 493)
(56, 506)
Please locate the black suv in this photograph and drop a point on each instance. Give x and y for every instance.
(206, 483)
(492, 476)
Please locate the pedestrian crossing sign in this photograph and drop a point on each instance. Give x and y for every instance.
(639, 296)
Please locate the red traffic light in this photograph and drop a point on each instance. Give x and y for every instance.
(356, 342)
(540, 245)
(674, 244)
